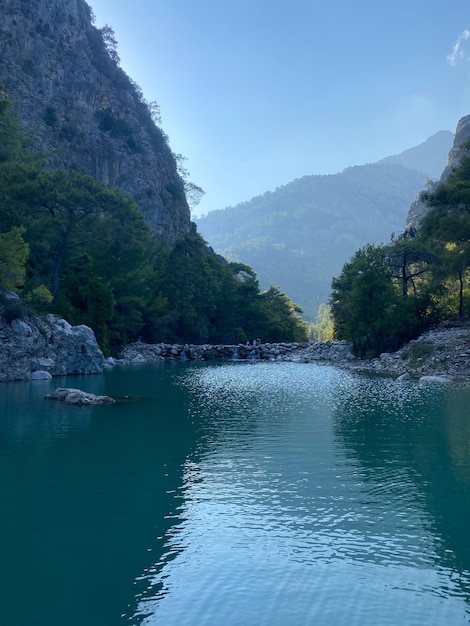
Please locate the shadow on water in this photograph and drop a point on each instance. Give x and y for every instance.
(413, 443)
(88, 494)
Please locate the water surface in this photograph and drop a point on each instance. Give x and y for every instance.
(236, 494)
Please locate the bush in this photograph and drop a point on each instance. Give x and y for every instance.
(11, 308)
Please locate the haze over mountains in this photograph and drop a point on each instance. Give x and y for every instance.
(299, 236)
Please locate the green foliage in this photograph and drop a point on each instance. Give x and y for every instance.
(14, 253)
(370, 308)
(282, 317)
(11, 309)
(323, 328)
(447, 228)
(211, 301)
(110, 43)
(84, 251)
(39, 297)
(362, 289)
(388, 295)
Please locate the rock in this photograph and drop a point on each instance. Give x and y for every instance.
(86, 113)
(48, 344)
(462, 134)
(405, 376)
(20, 327)
(41, 375)
(435, 379)
(42, 363)
(443, 351)
(69, 395)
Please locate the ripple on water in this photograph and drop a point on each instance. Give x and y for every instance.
(305, 504)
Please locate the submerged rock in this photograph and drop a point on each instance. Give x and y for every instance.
(69, 395)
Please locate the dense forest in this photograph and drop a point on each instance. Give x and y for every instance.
(387, 295)
(75, 247)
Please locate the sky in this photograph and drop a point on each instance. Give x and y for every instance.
(257, 93)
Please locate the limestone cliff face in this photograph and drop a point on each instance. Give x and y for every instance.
(462, 134)
(81, 106)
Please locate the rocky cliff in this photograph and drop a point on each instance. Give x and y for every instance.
(36, 348)
(462, 135)
(62, 74)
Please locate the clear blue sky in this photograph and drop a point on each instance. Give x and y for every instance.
(259, 92)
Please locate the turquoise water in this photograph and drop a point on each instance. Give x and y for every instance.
(235, 494)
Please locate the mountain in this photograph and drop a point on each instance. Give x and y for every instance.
(426, 158)
(299, 236)
(64, 78)
(459, 147)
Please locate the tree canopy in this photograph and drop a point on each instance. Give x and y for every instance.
(72, 246)
(387, 295)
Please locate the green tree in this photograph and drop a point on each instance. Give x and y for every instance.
(447, 225)
(369, 306)
(323, 328)
(410, 259)
(14, 252)
(363, 300)
(65, 210)
(283, 322)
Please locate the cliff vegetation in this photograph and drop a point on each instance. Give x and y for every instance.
(388, 295)
(63, 77)
(72, 246)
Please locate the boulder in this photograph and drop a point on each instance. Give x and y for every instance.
(41, 375)
(47, 344)
(435, 379)
(405, 376)
(69, 395)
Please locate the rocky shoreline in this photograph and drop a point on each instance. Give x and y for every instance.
(38, 348)
(301, 352)
(35, 348)
(441, 354)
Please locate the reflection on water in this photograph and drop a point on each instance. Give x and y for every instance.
(236, 494)
(311, 499)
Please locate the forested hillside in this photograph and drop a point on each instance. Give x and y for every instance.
(387, 295)
(300, 235)
(71, 245)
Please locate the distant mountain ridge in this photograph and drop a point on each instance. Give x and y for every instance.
(427, 156)
(299, 236)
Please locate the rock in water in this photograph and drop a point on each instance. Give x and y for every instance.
(69, 395)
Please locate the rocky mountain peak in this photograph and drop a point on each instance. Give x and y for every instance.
(65, 81)
(462, 135)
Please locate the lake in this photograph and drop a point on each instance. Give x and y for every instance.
(235, 494)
